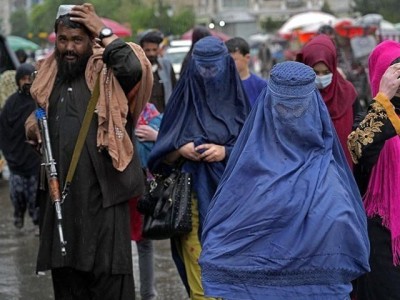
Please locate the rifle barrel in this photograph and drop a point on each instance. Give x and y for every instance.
(52, 176)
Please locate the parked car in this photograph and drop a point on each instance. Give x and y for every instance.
(176, 52)
(42, 53)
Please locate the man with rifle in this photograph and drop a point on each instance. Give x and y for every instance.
(90, 65)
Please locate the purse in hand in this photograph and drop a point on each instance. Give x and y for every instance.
(166, 206)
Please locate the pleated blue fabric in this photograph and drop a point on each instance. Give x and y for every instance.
(208, 105)
(287, 221)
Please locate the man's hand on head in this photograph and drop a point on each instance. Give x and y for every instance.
(85, 14)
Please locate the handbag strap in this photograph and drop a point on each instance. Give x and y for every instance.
(81, 137)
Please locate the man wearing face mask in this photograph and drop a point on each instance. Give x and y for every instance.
(22, 160)
(339, 94)
(322, 80)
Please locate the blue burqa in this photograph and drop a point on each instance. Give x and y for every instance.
(287, 221)
(208, 105)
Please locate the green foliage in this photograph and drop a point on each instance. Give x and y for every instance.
(183, 21)
(122, 11)
(270, 25)
(144, 18)
(19, 23)
(43, 15)
(366, 6)
(144, 14)
(387, 8)
(136, 13)
(326, 8)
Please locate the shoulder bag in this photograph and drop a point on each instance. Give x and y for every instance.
(166, 205)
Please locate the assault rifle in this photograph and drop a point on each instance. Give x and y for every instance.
(51, 173)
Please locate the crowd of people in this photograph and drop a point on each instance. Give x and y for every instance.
(294, 180)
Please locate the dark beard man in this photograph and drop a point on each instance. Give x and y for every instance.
(68, 71)
(152, 59)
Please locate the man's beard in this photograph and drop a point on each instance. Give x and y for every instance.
(152, 59)
(68, 71)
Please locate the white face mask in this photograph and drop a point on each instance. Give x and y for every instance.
(322, 81)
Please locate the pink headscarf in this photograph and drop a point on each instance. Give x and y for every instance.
(379, 60)
(383, 194)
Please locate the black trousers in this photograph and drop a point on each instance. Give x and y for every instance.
(383, 282)
(71, 284)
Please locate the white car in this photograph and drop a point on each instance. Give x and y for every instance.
(176, 53)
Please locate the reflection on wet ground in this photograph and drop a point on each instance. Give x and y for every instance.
(18, 249)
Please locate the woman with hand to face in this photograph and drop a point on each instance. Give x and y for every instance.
(375, 148)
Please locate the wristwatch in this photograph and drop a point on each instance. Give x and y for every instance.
(105, 32)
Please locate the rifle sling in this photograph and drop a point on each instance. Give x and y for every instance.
(82, 136)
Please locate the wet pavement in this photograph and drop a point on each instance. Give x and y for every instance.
(18, 249)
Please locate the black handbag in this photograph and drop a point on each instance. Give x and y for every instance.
(167, 206)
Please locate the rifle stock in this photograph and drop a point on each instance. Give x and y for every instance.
(51, 174)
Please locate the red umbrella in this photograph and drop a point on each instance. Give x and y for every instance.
(188, 35)
(348, 28)
(116, 27)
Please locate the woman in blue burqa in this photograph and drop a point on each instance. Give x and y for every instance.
(287, 220)
(201, 123)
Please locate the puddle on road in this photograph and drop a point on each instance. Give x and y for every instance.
(18, 249)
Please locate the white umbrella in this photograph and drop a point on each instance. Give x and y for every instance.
(387, 26)
(312, 18)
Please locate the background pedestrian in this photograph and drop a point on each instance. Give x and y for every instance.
(240, 52)
(23, 162)
(163, 72)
